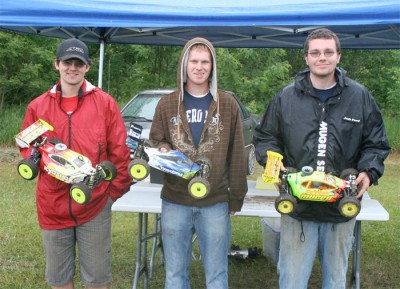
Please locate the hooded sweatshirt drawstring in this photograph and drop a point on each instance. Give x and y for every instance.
(302, 235)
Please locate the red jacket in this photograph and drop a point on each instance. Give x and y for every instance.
(96, 130)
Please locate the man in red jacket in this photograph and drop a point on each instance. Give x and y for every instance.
(88, 121)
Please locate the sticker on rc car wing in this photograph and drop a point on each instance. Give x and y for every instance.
(25, 137)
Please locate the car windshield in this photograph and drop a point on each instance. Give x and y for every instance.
(141, 108)
(62, 161)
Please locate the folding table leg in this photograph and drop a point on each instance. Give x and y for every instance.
(141, 252)
(157, 243)
(355, 277)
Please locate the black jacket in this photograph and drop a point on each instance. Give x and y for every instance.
(346, 131)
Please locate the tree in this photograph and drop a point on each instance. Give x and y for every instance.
(254, 74)
(26, 67)
(132, 68)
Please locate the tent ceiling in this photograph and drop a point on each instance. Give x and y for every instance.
(364, 24)
(363, 36)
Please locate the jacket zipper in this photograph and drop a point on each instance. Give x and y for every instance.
(100, 151)
(69, 146)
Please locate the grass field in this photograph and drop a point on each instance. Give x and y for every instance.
(22, 262)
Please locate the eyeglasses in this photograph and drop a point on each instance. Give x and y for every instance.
(76, 63)
(315, 54)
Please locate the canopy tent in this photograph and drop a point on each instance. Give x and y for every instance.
(360, 24)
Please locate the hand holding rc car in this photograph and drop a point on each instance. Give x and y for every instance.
(61, 163)
(171, 162)
(312, 185)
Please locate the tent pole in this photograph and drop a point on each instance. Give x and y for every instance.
(101, 61)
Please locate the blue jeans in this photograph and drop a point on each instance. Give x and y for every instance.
(212, 225)
(298, 246)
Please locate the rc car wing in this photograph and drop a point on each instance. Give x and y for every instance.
(29, 134)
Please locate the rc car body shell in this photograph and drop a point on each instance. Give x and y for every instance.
(67, 165)
(172, 162)
(317, 186)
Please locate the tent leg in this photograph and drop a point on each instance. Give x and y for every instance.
(101, 62)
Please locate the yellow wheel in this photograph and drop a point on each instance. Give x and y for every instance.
(285, 204)
(199, 188)
(80, 193)
(28, 169)
(110, 170)
(349, 207)
(138, 169)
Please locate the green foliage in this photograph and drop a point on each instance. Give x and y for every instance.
(378, 71)
(26, 68)
(253, 74)
(10, 124)
(392, 126)
(393, 95)
(129, 69)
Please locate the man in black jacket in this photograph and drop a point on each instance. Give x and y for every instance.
(329, 122)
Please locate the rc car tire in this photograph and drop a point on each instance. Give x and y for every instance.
(55, 141)
(110, 170)
(80, 193)
(307, 170)
(204, 161)
(199, 187)
(349, 207)
(291, 170)
(285, 204)
(251, 161)
(347, 172)
(138, 169)
(28, 169)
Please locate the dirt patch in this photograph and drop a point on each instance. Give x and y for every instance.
(393, 158)
(9, 155)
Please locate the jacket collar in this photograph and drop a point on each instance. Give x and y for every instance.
(85, 88)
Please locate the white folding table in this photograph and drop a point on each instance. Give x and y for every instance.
(144, 198)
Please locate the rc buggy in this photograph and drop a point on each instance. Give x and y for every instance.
(172, 162)
(53, 157)
(312, 185)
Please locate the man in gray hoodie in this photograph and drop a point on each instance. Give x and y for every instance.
(200, 121)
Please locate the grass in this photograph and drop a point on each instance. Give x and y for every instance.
(22, 260)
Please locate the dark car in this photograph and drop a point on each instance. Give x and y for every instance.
(140, 109)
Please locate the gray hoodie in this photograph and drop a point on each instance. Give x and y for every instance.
(221, 140)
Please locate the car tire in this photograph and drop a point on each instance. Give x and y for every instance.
(138, 169)
(251, 160)
(55, 141)
(80, 193)
(199, 187)
(349, 207)
(347, 172)
(110, 170)
(285, 204)
(28, 169)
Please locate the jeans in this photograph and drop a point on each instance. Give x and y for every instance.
(299, 241)
(212, 225)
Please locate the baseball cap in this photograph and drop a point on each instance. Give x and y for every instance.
(73, 48)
